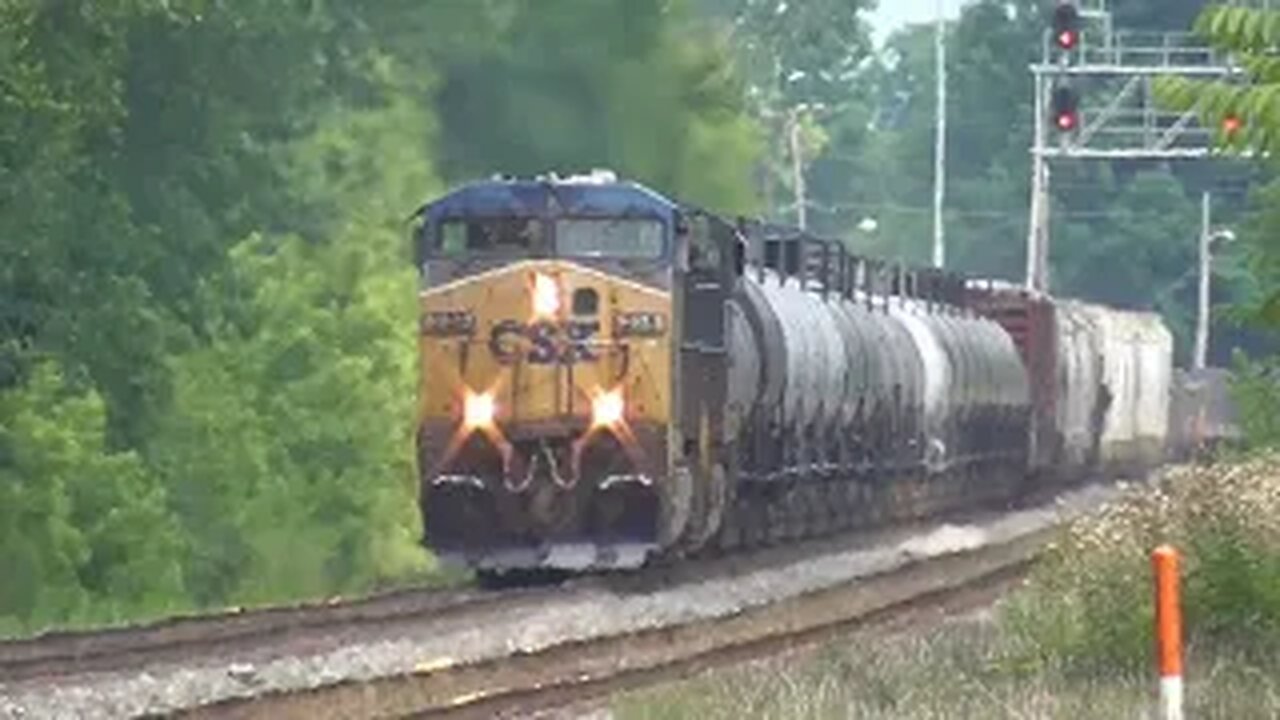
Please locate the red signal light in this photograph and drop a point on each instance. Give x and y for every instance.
(1066, 25)
(1066, 115)
(1231, 125)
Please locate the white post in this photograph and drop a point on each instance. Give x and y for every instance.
(1201, 352)
(1036, 231)
(797, 169)
(940, 148)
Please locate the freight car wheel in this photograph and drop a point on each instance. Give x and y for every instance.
(752, 518)
(677, 506)
(730, 536)
(707, 508)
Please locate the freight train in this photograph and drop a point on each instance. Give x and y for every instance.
(609, 376)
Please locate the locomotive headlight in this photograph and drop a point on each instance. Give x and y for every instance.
(546, 296)
(607, 408)
(477, 410)
(639, 324)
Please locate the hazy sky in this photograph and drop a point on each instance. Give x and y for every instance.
(893, 14)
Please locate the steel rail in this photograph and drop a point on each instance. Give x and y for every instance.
(63, 653)
(581, 670)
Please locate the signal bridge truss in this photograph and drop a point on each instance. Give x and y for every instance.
(1120, 118)
(1113, 73)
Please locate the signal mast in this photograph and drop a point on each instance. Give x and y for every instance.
(1082, 48)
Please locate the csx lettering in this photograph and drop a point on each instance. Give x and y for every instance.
(545, 343)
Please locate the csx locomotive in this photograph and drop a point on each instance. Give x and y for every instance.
(608, 375)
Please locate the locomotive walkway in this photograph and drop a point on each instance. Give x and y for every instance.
(469, 653)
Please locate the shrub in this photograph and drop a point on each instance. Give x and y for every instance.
(1088, 606)
(1255, 391)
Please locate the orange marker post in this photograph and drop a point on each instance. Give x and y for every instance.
(1164, 560)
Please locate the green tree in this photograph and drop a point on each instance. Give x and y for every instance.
(1152, 225)
(286, 449)
(803, 63)
(989, 111)
(286, 446)
(84, 532)
(1251, 35)
(573, 84)
(249, 402)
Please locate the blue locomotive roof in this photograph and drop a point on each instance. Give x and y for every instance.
(506, 198)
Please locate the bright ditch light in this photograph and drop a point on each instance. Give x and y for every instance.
(606, 409)
(478, 410)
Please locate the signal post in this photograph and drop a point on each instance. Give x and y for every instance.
(1081, 48)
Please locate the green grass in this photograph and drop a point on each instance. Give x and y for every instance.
(1074, 642)
(960, 670)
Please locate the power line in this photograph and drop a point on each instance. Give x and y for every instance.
(837, 208)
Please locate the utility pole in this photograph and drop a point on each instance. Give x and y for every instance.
(940, 147)
(797, 168)
(1038, 228)
(1201, 352)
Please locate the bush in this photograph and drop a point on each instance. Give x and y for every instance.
(1255, 391)
(85, 534)
(1088, 606)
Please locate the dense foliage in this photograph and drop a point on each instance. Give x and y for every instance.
(1088, 604)
(206, 301)
(1250, 35)
(870, 157)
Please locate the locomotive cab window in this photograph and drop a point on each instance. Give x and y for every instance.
(503, 237)
(617, 238)
(704, 247)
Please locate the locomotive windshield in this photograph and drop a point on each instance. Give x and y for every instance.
(614, 238)
(503, 237)
(609, 238)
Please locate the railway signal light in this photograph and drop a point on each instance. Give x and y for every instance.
(1066, 26)
(1066, 113)
(1231, 125)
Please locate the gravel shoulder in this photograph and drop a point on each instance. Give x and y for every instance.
(587, 609)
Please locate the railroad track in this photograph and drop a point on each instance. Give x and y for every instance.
(65, 653)
(583, 671)
(471, 653)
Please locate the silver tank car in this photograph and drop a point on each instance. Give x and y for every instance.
(1100, 380)
(901, 383)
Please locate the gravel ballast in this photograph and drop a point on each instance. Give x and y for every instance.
(587, 609)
